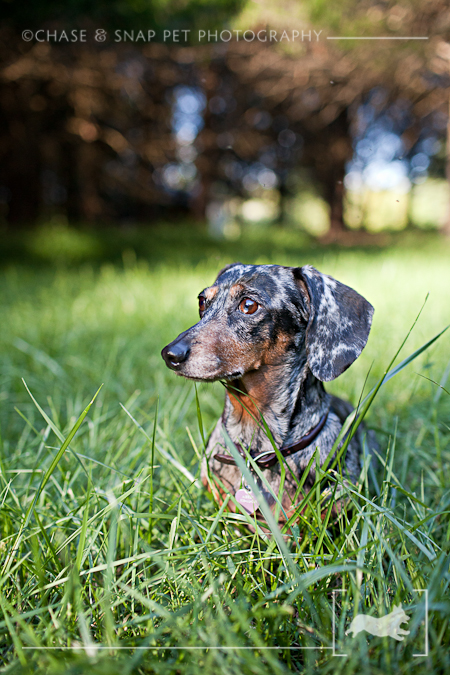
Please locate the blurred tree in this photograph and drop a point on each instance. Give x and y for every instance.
(320, 86)
(271, 112)
(120, 14)
(85, 126)
(96, 131)
(416, 70)
(83, 130)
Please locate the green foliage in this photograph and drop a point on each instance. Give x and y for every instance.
(354, 18)
(120, 551)
(430, 203)
(369, 19)
(58, 241)
(122, 14)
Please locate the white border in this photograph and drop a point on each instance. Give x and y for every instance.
(91, 648)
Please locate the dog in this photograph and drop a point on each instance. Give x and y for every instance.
(388, 625)
(273, 335)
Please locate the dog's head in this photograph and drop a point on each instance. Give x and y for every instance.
(255, 315)
(399, 614)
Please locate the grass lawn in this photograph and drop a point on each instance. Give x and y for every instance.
(114, 563)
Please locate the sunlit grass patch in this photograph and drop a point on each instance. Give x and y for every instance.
(102, 553)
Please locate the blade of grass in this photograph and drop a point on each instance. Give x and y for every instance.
(49, 471)
(165, 454)
(150, 523)
(82, 539)
(199, 416)
(265, 509)
(356, 417)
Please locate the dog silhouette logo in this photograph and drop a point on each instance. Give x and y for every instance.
(388, 625)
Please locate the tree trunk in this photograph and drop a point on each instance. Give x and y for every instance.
(23, 177)
(283, 217)
(335, 199)
(332, 152)
(445, 229)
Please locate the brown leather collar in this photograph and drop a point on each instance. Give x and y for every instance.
(266, 460)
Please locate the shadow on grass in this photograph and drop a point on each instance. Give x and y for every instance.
(57, 244)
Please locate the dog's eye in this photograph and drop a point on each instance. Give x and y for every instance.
(201, 304)
(248, 306)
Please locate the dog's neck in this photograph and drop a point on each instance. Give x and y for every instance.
(290, 411)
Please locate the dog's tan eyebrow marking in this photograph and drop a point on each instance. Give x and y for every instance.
(236, 289)
(240, 288)
(210, 293)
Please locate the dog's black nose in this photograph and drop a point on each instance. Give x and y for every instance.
(176, 353)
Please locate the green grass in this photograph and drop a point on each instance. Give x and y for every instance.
(102, 554)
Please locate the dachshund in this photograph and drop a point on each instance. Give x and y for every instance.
(273, 335)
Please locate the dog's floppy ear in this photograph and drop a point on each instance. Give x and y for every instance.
(339, 321)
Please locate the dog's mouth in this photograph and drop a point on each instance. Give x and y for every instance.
(213, 377)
